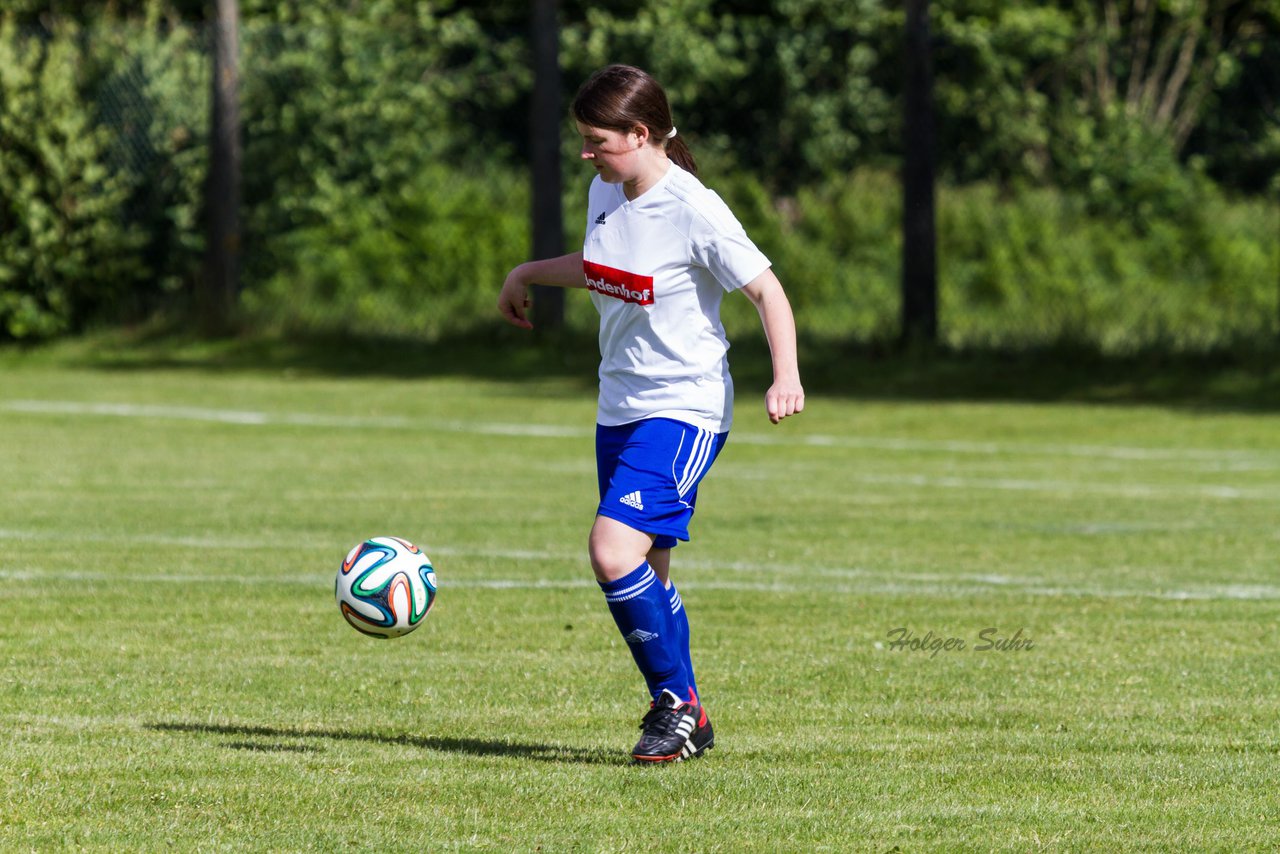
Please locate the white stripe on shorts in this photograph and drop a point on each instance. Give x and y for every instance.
(696, 465)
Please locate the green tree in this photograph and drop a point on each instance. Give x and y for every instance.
(791, 90)
(1103, 99)
(143, 72)
(65, 248)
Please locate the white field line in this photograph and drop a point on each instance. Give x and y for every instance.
(797, 471)
(1066, 487)
(237, 543)
(960, 586)
(783, 577)
(528, 430)
(292, 419)
(949, 446)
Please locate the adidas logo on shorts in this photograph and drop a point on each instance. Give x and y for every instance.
(632, 499)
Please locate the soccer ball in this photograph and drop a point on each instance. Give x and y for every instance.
(386, 587)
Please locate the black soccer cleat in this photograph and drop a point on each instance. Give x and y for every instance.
(702, 738)
(669, 730)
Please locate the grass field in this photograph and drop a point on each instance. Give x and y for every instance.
(176, 676)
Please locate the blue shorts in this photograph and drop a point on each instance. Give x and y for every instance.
(649, 473)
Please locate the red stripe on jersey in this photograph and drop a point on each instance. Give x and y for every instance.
(619, 284)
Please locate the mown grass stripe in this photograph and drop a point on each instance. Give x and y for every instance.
(528, 430)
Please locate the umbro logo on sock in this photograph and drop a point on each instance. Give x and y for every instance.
(600, 219)
(632, 499)
(639, 636)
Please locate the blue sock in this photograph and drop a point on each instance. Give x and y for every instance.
(642, 610)
(680, 622)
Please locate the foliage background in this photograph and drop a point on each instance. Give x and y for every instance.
(1098, 190)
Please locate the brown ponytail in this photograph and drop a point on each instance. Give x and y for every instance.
(620, 97)
(681, 155)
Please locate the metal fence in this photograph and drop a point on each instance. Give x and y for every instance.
(346, 226)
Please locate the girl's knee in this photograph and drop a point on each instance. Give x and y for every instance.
(616, 549)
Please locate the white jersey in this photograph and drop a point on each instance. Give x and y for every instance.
(657, 268)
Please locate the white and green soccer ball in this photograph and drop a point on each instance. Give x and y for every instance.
(385, 587)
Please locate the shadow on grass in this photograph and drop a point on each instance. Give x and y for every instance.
(1239, 378)
(303, 741)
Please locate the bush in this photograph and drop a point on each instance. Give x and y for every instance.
(1038, 267)
(336, 108)
(145, 74)
(836, 248)
(1018, 268)
(65, 246)
(423, 262)
(380, 195)
(1023, 267)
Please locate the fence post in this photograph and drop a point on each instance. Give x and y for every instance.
(219, 287)
(919, 260)
(545, 122)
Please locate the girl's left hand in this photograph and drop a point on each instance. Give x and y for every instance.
(784, 398)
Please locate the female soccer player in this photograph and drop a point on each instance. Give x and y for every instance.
(661, 251)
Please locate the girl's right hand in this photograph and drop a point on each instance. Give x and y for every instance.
(513, 301)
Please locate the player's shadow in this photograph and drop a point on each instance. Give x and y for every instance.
(286, 739)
